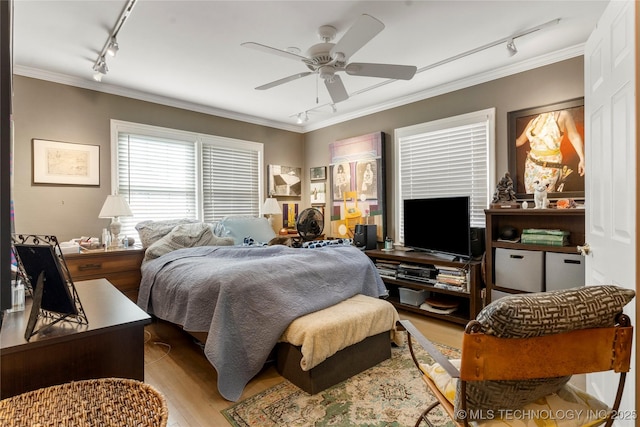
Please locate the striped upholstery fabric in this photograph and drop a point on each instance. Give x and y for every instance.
(537, 314)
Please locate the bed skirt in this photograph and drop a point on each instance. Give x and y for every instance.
(342, 365)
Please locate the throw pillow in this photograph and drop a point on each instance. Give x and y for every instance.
(186, 236)
(152, 231)
(537, 314)
(241, 227)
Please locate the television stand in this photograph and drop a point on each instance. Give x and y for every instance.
(446, 257)
(469, 297)
(438, 255)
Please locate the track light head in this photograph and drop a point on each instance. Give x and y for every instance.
(101, 69)
(299, 120)
(511, 47)
(113, 47)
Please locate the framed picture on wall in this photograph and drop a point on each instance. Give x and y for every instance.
(284, 181)
(318, 193)
(546, 147)
(318, 173)
(64, 163)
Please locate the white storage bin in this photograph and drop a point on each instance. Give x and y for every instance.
(496, 295)
(412, 296)
(563, 271)
(519, 269)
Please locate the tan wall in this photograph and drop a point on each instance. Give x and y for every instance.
(57, 112)
(541, 86)
(64, 113)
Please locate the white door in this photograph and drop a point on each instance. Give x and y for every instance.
(610, 178)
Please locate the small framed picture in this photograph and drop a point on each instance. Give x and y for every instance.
(318, 193)
(318, 173)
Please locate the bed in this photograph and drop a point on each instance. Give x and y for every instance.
(244, 297)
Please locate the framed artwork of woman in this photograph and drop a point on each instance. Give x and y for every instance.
(546, 148)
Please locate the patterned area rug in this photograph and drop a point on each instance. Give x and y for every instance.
(389, 394)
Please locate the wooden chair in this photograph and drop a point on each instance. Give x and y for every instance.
(486, 357)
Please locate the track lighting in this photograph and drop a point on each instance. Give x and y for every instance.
(511, 47)
(100, 69)
(113, 47)
(333, 108)
(302, 117)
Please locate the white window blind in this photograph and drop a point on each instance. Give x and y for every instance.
(230, 182)
(445, 158)
(169, 174)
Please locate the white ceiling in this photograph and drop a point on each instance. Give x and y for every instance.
(189, 54)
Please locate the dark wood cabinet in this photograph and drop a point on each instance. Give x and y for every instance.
(571, 220)
(470, 301)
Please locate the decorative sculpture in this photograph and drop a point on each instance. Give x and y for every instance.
(504, 190)
(540, 195)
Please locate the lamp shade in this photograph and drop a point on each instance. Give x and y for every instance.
(115, 206)
(271, 207)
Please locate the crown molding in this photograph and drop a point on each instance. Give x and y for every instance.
(518, 67)
(511, 69)
(65, 79)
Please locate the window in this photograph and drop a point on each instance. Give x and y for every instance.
(168, 174)
(448, 157)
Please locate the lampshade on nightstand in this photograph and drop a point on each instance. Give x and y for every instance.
(115, 206)
(270, 207)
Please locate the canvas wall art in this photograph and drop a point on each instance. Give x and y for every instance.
(357, 186)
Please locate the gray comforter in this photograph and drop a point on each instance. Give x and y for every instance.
(245, 297)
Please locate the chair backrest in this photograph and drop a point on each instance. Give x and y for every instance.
(486, 357)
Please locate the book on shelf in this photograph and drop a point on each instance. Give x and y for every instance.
(545, 231)
(541, 239)
(451, 287)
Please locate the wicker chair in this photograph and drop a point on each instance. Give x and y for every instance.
(514, 370)
(114, 402)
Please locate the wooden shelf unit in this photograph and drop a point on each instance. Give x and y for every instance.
(470, 302)
(571, 220)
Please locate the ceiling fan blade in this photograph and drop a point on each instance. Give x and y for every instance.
(364, 29)
(284, 80)
(336, 89)
(274, 51)
(387, 71)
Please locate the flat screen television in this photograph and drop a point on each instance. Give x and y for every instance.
(439, 225)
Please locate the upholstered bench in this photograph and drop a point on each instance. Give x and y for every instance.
(324, 348)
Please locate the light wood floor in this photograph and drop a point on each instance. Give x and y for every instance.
(177, 367)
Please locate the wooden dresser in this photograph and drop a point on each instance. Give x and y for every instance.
(111, 345)
(119, 266)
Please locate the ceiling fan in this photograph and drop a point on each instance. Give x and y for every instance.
(326, 59)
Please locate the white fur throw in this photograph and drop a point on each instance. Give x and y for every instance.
(325, 332)
(186, 236)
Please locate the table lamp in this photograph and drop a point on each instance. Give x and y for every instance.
(115, 206)
(270, 207)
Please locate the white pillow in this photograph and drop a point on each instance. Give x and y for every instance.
(240, 227)
(185, 236)
(151, 231)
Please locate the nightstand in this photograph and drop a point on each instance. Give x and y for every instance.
(119, 266)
